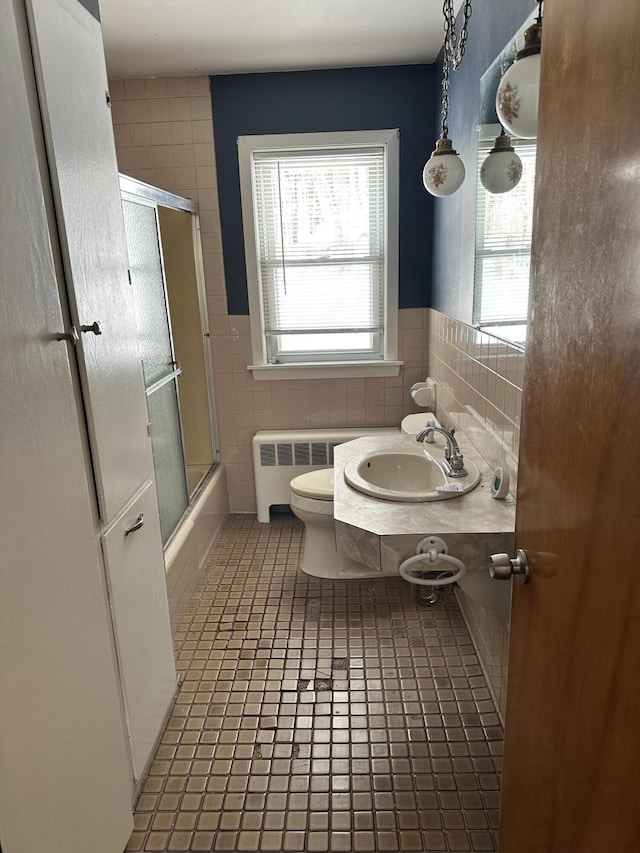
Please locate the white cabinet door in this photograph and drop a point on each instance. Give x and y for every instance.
(72, 85)
(65, 776)
(137, 590)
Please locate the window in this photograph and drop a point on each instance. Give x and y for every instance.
(320, 215)
(503, 246)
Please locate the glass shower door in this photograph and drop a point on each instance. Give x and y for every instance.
(161, 371)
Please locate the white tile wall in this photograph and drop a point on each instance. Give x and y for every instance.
(480, 391)
(479, 386)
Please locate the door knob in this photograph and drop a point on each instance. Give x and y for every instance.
(503, 567)
(94, 327)
(72, 336)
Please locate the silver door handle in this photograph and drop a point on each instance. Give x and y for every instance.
(503, 567)
(137, 524)
(94, 327)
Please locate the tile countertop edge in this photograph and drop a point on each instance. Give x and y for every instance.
(475, 512)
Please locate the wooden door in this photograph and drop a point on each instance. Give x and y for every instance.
(65, 777)
(572, 753)
(72, 85)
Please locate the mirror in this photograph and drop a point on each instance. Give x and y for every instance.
(504, 221)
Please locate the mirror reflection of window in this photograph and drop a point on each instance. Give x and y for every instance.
(503, 246)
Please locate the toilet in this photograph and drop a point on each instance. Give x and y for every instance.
(311, 500)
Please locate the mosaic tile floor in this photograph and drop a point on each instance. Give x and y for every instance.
(320, 716)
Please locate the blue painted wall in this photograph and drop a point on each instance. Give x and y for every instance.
(490, 28)
(315, 101)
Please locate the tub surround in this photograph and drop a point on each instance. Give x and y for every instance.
(186, 554)
(382, 533)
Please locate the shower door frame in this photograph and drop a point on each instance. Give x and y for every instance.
(138, 192)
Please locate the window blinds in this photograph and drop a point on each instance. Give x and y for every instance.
(320, 235)
(503, 245)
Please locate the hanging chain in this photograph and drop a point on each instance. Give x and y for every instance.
(450, 38)
(454, 49)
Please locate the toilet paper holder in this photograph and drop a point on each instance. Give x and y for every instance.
(423, 394)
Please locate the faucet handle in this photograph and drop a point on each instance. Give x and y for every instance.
(456, 460)
(431, 436)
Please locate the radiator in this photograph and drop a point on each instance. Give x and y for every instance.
(280, 455)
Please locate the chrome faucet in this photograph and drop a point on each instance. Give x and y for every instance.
(453, 463)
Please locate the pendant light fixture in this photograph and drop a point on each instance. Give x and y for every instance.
(502, 169)
(517, 95)
(444, 171)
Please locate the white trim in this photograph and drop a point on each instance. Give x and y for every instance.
(389, 139)
(326, 370)
(139, 189)
(306, 141)
(392, 247)
(258, 344)
(487, 133)
(510, 330)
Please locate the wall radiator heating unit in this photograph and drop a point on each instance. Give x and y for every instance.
(280, 455)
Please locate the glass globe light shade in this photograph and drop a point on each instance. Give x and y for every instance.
(517, 95)
(502, 169)
(444, 171)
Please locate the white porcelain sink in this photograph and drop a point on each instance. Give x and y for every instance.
(407, 475)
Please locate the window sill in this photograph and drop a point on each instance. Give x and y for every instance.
(325, 370)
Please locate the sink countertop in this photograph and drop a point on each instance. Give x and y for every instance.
(475, 512)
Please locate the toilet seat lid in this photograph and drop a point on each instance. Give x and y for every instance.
(314, 484)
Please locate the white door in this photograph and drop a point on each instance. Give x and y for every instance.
(65, 776)
(133, 551)
(71, 80)
(72, 85)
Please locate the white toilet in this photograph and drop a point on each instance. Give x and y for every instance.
(311, 500)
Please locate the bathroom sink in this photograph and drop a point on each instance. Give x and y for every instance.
(406, 475)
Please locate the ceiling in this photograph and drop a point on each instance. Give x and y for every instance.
(176, 38)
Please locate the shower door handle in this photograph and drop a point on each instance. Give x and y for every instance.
(503, 567)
